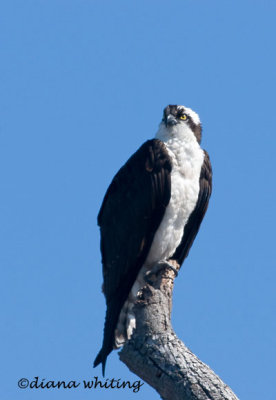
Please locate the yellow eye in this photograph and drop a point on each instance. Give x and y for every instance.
(183, 117)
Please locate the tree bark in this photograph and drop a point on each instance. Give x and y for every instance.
(155, 353)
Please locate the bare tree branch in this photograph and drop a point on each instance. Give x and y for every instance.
(155, 354)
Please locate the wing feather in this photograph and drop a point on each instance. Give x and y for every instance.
(132, 210)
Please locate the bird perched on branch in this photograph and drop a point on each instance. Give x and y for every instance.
(151, 213)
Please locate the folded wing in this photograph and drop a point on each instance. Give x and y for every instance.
(132, 210)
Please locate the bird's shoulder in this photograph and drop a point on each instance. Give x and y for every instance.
(150, 161)
(206, 170)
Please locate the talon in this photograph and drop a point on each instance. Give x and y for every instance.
(173, 269)
(163, 265)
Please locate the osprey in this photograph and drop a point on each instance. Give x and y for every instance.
(151, 213)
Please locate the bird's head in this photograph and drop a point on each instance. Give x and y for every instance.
(179, 120)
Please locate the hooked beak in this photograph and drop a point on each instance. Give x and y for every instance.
(170, 120)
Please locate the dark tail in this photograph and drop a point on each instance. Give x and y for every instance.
(101, 358)
(111, 318)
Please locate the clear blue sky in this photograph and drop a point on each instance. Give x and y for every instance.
(83, 84)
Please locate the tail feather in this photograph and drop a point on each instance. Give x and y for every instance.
(101, 358)
(111, 319)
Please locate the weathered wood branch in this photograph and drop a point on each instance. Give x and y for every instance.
(155, 353)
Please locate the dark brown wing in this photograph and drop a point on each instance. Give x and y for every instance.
(193, 224)
(132, 210)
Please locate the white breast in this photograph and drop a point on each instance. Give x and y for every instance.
(187, 158)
